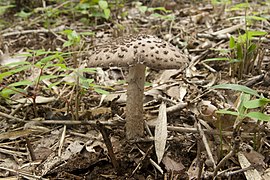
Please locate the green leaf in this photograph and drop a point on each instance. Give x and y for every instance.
(232, 42)
(223, 111)
(240, 106)
(90, 33)
(9, 91)
(251, 48)
(23, 14)
(239, 51)
(216, 59)
(103, 4)
(21, 83)
(14, 71)
(47, 77)
(256, 18)
(143, 9)
(89, 70)
(237, 87)
(256, 103)
(107, 13)
(21, 63)
(101, 91)
(259, 116)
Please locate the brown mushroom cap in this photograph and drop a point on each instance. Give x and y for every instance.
(140, 49)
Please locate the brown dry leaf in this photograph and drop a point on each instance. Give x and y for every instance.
(16, 134)
(193, 170)
(39, 100)
(266, 174)
(172, 165)
(166, 75)
(72, 77)
(253, 156)
(174, 92)
(252, 174)
(161, 132)
(6, 59)
(7, 163)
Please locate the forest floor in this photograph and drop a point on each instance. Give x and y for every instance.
(58, 117)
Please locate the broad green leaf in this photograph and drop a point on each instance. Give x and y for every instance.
(237, 87)
(259, 116)
(103, 4)
(256, 103)
(107, 13)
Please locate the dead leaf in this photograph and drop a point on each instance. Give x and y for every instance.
(252, 174)
(6, 59)
(172, 165)
(161, 132)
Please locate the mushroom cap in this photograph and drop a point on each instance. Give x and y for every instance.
(140, 49)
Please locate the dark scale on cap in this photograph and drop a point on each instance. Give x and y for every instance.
(105, 50)
(177, 55)
(142, 49)
(121, 55)
(124, 49)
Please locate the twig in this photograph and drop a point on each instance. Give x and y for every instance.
(30, 149)
(206, 145)
(170, 128)
(11, 117)
(108, 144)
(60, 28)
(152, 161)
(26, 174)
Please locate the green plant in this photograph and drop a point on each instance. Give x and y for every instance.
(250, 105)
(49, 61)
(245, 53)
(158, 12)
(94, 8)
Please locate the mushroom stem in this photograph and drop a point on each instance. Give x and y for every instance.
(134, 107)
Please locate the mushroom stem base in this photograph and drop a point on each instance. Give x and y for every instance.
(134, 107)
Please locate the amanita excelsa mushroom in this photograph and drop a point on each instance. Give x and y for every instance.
(137, 52)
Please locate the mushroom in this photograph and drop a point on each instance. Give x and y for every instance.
(136, 52)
